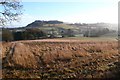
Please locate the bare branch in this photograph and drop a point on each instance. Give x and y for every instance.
(11, 10)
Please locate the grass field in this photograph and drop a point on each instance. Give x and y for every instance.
(74, 58)
(64, 26)
(103, 38)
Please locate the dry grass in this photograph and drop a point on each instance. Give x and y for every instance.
(60, 59)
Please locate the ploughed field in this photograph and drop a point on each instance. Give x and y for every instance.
(60, 59)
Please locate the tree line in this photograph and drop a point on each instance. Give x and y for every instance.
(27, 34)
(35, 33)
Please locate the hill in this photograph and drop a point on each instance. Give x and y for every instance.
(59, 29)
(48, 24)
(39, 23)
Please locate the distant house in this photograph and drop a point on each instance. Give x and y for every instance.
(19, 30)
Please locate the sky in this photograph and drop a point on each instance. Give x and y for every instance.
(69, 11)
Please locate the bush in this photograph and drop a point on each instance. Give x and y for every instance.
(29, 34)
(7, 35)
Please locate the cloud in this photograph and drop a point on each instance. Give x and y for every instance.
(108, 15)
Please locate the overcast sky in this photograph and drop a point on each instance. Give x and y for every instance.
(71, 11)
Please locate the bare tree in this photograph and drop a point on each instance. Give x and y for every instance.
(9, 11)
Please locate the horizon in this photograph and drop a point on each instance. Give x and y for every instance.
(69, 12)
(12, 26)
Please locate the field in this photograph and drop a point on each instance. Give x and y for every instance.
(61, 59)
(64, 26)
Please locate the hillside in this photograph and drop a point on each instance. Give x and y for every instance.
(49, 25)
(57, 29)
